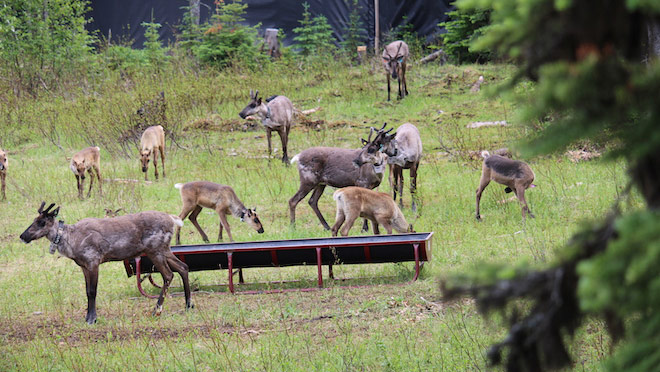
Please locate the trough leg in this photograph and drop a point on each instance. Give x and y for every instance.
(318, 265)
(416, 250)
(91, 282)
(230, 267)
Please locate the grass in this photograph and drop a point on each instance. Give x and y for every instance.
(391, 325)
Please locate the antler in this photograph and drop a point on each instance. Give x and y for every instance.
(41, 208)
(48, 209)
(251, 93)
(399, 49)
(256, 94)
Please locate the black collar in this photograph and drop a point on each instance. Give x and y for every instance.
(58, 237)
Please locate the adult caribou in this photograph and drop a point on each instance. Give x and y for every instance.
(93, 241)
(276, 114)
(319, 167)
(395, 56)
(404, 151)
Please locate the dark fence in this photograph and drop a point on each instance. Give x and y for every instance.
(123, 18)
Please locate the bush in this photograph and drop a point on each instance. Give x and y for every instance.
(465, 26)
(354, 32)
(314, 34)
(224, 39)
(41, 41)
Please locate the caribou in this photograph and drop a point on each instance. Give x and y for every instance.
(276, 114)
(319, 167)
(395, 56)
(93, 241)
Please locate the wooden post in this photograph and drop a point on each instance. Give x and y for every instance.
(377, 27)
(272, 43)
(362, 53)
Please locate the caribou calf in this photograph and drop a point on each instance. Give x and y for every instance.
(93, 241)
(379, 207)
(83, 161)
(152, 141)
(221, 198)
(276, 115)
(4, 162)
(514, 174)
(395, 56)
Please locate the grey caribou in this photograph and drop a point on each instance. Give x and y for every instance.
(93, 241)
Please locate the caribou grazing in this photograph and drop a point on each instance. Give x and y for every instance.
(4, 162)
(514, 174)
(395, 56)
(276, 114)
(93, 241)
(83, 161)
(221, 198)
(152, 141)
(404, 151)
(379, 207)
(319, 167)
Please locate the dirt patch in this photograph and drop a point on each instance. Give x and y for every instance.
(577, 156)
(215, 123)
(69, 334)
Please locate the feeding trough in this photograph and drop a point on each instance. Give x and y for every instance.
(277, 253)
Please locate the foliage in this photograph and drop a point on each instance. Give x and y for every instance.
(314, 36)
(225, 39)
(354, 32)
(153, 47)
(463, 28)
(587, 60)
(41, 41)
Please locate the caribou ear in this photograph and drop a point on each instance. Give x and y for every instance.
(364, 141)
(55, 212)
(254, 209)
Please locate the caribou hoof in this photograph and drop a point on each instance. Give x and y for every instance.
(158, 310)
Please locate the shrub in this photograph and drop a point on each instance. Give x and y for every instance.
(314, 34)
(41, 41)
(225, 39)
(465, 26)
(354, 32)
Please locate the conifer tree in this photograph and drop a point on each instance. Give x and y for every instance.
(596, 77)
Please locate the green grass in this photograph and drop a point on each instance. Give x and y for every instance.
(391, 325)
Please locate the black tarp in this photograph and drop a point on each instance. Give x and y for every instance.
(124, 17)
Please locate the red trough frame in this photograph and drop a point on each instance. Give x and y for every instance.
(275, 253)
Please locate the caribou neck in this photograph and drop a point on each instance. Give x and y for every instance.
(58, 237)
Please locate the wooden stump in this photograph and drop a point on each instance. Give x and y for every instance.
(272, 42)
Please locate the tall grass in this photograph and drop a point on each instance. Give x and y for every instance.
(381, 327)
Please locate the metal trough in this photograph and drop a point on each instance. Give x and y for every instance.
(274, 253)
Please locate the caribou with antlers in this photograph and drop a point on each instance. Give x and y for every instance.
(93, 241)
(395, 56)
(276, 114)
(404, 151)
(331, 166)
